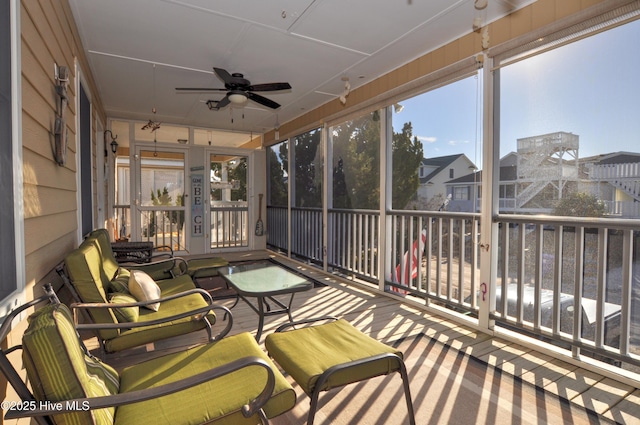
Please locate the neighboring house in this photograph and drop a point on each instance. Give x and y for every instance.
(472, 184)
(434, 173)
(615, 179)
(533, 179)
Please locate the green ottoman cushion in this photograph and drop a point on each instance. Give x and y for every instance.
(205, 267)
(222, 397)
(306, 353)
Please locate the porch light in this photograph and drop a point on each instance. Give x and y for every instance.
(114, 144)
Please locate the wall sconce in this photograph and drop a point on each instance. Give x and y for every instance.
(114, 144)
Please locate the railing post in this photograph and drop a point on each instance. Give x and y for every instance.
(489, 202)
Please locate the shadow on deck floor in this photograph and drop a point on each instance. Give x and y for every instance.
(457, 374)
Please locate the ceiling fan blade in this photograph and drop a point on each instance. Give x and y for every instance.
(232, 81)
(198, 89)
(224, 75)
(270, 87)
(262, 100)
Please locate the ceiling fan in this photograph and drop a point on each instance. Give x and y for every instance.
(239, 89)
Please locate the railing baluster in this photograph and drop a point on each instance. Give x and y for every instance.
(505, 270)
(578, 286)
(539, 268)
(557, 278)
(601, 277)
(521, 271)
(461, 261)
(627, 261)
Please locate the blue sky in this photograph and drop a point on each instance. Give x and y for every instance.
(590, 88)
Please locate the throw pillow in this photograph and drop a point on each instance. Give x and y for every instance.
(144, 288)
(124, 314)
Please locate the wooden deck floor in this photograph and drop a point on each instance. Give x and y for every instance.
(457, 375)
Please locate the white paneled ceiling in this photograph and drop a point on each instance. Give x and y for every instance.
(139, 51)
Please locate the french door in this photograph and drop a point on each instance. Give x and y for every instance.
(159, 205)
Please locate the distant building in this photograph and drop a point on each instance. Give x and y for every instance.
(434, 173)
(547, 167)
(615, 179)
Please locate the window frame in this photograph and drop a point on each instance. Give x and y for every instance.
(590, 22)
(12, 155)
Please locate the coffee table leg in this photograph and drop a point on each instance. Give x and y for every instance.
(260, 318)
(289, 308)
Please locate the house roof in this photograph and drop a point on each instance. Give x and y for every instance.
(440, 162)
(614, 158)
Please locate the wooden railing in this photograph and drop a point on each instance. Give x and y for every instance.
(545, 266)
(353, 242)
(434, 256)
(229, 226)
(548, 265)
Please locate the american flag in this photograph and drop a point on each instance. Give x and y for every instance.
(409, 265)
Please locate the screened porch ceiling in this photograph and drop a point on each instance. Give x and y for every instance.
(139, 52)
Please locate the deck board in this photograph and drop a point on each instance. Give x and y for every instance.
(522, 375)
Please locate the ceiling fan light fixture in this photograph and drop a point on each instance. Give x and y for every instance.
(237, 98)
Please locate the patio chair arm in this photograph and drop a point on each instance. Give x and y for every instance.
(207, 297)
(285, 326)
(7, 321)
(198, 313)
(173, 264)
(91, 403)
(160, 251)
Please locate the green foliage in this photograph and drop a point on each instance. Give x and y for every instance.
(356, 166)
(236, 172)
(580, 204)
(163, 198)
(407, 155)
(277, 183)
(356, 147)
(239, 174)
(308, 170)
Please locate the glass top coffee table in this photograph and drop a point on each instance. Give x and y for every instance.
(263, 280)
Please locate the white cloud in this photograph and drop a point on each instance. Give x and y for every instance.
(427, 139)
(455, 142)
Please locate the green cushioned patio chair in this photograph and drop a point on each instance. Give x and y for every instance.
(163, 264)
(99, 286)
(231, 381)
(331, 355)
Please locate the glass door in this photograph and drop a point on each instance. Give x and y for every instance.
(229, 211)
(160, 205)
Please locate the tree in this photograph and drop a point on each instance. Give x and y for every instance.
(277, 182)
(308, 170)
(580, 204)
(239, 173)
(341, 198)
(407, 155)
(163, 198)
(356, 145)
